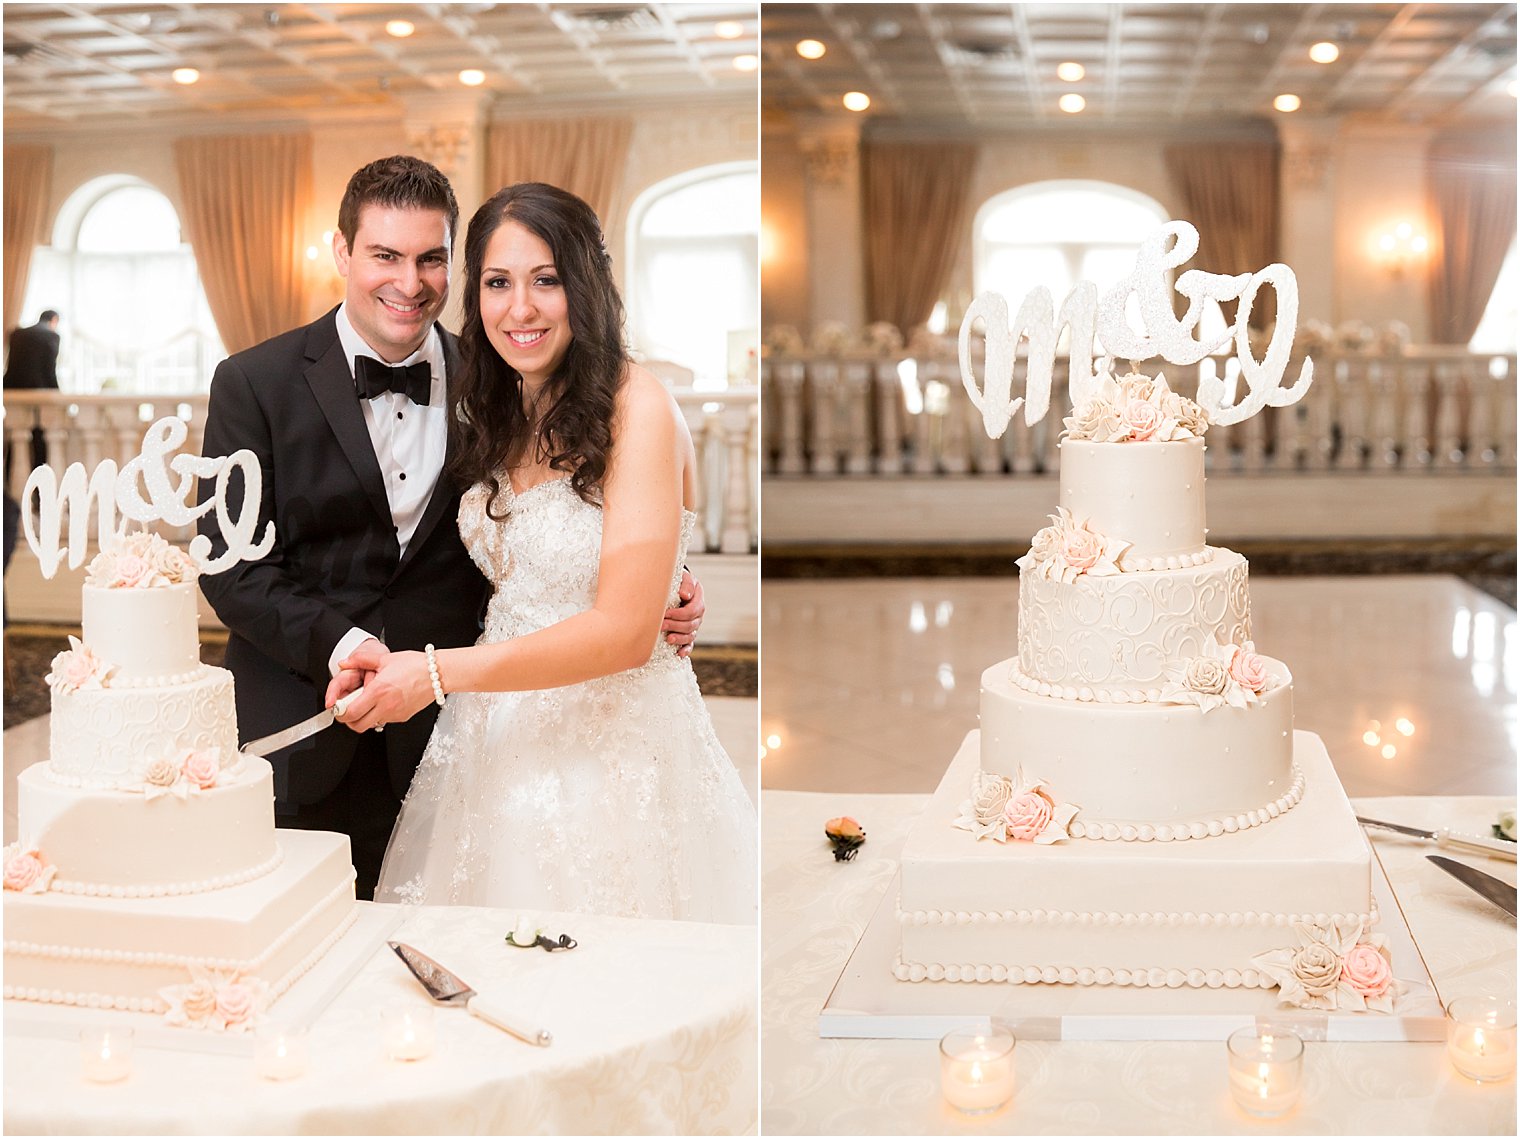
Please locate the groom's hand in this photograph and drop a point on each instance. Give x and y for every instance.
(681, 623)
(396, 686)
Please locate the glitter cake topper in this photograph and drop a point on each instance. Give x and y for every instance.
(110, 491)
(1167, 335)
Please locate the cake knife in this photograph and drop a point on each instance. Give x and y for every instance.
(266, 745)
(447, 989)
(1494, 847)
(1500, 893)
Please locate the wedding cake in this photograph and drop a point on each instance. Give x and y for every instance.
(148, 875)
(1136, 808)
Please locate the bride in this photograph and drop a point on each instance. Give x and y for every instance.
(573, 766)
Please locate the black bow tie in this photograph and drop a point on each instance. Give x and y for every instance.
(374, 377)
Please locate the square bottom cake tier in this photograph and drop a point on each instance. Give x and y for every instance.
(122, 952)
(1153, 913)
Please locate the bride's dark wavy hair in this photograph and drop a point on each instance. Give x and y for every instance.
(487, 426)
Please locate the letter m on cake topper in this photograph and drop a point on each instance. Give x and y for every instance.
(105, 491)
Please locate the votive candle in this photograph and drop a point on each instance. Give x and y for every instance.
(1480, 1037)
(407, 1031)
(280, 1052)
(105, 1054)
(1266, 1070)
(976, 1068)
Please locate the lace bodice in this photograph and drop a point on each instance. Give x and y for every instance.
(543, 558)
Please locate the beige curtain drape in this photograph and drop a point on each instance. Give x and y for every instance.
(915, 212)
(1230, 192)
(247, 201)
(1471, 182)
(28, 179)
(585, 156)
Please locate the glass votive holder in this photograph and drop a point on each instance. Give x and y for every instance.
(1266, 1070)
(280, 1052)
(976, 1068)
(406, 1031)
(105, 1054)
(1480, 1037)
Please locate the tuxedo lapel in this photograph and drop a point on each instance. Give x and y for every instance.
(332, 384)
(443, 501)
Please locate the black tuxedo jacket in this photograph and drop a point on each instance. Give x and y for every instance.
(33, 358)
(336, 563)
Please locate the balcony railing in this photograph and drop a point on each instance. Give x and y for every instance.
(89, 428)
(906, 414)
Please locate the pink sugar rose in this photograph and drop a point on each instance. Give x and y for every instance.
(78, 669)
(1249, 670)
(235, 1003)
(1080, 548)
(1028, 814)
(201, 768)
(132, 571)
(22, 871)
(1142, 418)
(1366, 970)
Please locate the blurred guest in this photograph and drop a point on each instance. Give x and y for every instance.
(33, 363)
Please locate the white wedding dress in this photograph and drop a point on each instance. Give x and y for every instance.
(610, 797)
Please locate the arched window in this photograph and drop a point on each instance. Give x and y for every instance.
(693, 293)
(135, 317)
(1496, 331)
(1061, 232)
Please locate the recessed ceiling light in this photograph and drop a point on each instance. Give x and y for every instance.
(1072, 104)
(1071, 72)
(472, 77)
(185, 75)
(400, 28)
(746, 62)
(1324, 52)
(1287, 103)
(856, 100)
(728, 29)
(811, 49)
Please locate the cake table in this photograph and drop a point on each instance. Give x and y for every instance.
(815, 910)
(654, 1023)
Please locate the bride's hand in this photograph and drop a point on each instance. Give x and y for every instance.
(397, 686)
(681, 623)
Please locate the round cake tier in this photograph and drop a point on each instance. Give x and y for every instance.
(1149, 494)
(1113, 638)
(123, 844)
(150, 635)
(106, 737)
(1143, 763)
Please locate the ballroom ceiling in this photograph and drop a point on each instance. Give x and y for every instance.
(96, 64)
(992, 65)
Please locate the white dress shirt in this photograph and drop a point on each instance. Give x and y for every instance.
(409, 443)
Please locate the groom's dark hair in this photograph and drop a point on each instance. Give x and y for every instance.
(400, 181)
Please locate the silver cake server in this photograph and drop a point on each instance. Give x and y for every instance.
(1500, 893)
(1494, 847)
(266, 745)
(447, 989)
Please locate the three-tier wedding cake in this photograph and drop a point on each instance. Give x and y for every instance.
(1136, 808)
(148, 875)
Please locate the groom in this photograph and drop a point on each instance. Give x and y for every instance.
(347, 417)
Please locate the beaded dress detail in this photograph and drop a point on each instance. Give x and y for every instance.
(612, 796)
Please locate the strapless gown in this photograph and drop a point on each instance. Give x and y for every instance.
(612, 796)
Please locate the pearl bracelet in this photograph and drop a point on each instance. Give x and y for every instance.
(433, 675)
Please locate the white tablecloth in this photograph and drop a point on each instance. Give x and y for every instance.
(815, 909)
(654, 1029)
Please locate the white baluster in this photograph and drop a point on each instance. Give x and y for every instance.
(823, 383)
(736, 500)
(855, 392)
(1383, 430)
(707, 434)
(790, 378)
(1352, 393)
(1448, 425)
(889, 418)
(958, 420)
(1253, 454)
(1414, 379)
(926, 427)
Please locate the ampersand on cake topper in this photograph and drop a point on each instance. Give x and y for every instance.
(109, 491)
(1169, 336)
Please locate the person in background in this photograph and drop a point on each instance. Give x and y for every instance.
(32, 364)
